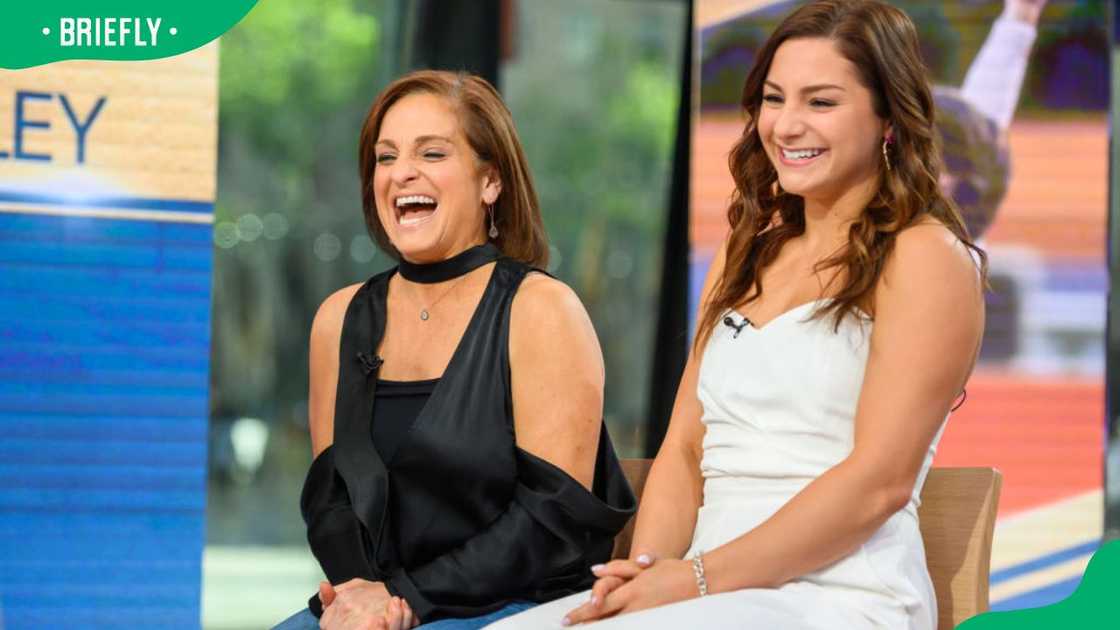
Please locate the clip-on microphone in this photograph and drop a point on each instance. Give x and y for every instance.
(369, 362)
(730, 323)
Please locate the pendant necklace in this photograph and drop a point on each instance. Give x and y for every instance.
(424, 311)
(457, 266)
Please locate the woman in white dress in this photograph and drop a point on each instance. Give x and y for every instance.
(839, 322)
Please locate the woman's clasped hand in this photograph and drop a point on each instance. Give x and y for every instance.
(625, 586)
(363, 605)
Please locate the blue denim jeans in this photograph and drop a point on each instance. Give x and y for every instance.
(304, 620)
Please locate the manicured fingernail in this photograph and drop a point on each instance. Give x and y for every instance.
(594, 600)
(595, 568)
(644, 559)
(565, 622)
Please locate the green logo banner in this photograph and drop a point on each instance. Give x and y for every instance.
(38, 32)
(1091, 606)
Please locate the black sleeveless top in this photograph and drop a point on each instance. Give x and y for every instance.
(396, 406)
(458, 520)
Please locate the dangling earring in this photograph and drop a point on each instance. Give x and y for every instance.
(493, 233)
(886, 157)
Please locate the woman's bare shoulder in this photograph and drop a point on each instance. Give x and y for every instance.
(933, 271)
(930, 249)
(548, 317)
(328, 318)
(326, 332)
(542, 292)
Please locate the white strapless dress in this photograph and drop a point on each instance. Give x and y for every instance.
(779, 410)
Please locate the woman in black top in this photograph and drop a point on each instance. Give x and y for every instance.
(486, 481)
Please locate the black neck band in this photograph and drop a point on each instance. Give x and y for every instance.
(453, 267)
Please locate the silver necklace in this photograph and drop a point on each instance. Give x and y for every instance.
(424, 311)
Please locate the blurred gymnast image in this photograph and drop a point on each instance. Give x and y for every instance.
(462, 470)
(839, 322)
(973, 121)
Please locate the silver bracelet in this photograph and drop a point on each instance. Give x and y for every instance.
(698, 571)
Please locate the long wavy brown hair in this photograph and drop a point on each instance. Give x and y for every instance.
(882, 43)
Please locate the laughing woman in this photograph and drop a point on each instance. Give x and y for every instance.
(838, 324)
(462, 471)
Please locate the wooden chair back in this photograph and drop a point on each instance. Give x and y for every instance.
(956, 517)
(636, 471)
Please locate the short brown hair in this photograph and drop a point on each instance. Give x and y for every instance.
(488, 127)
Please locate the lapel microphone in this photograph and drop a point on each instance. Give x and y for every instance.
(369, 362)
(730, 323)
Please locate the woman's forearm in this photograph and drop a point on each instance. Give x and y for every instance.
(828, 519)
(995, 78)
(667, 513)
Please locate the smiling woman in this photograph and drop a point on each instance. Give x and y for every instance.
(437, 181)
(785, 493)
(462, 471)
(821, 137)
(451, 133)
